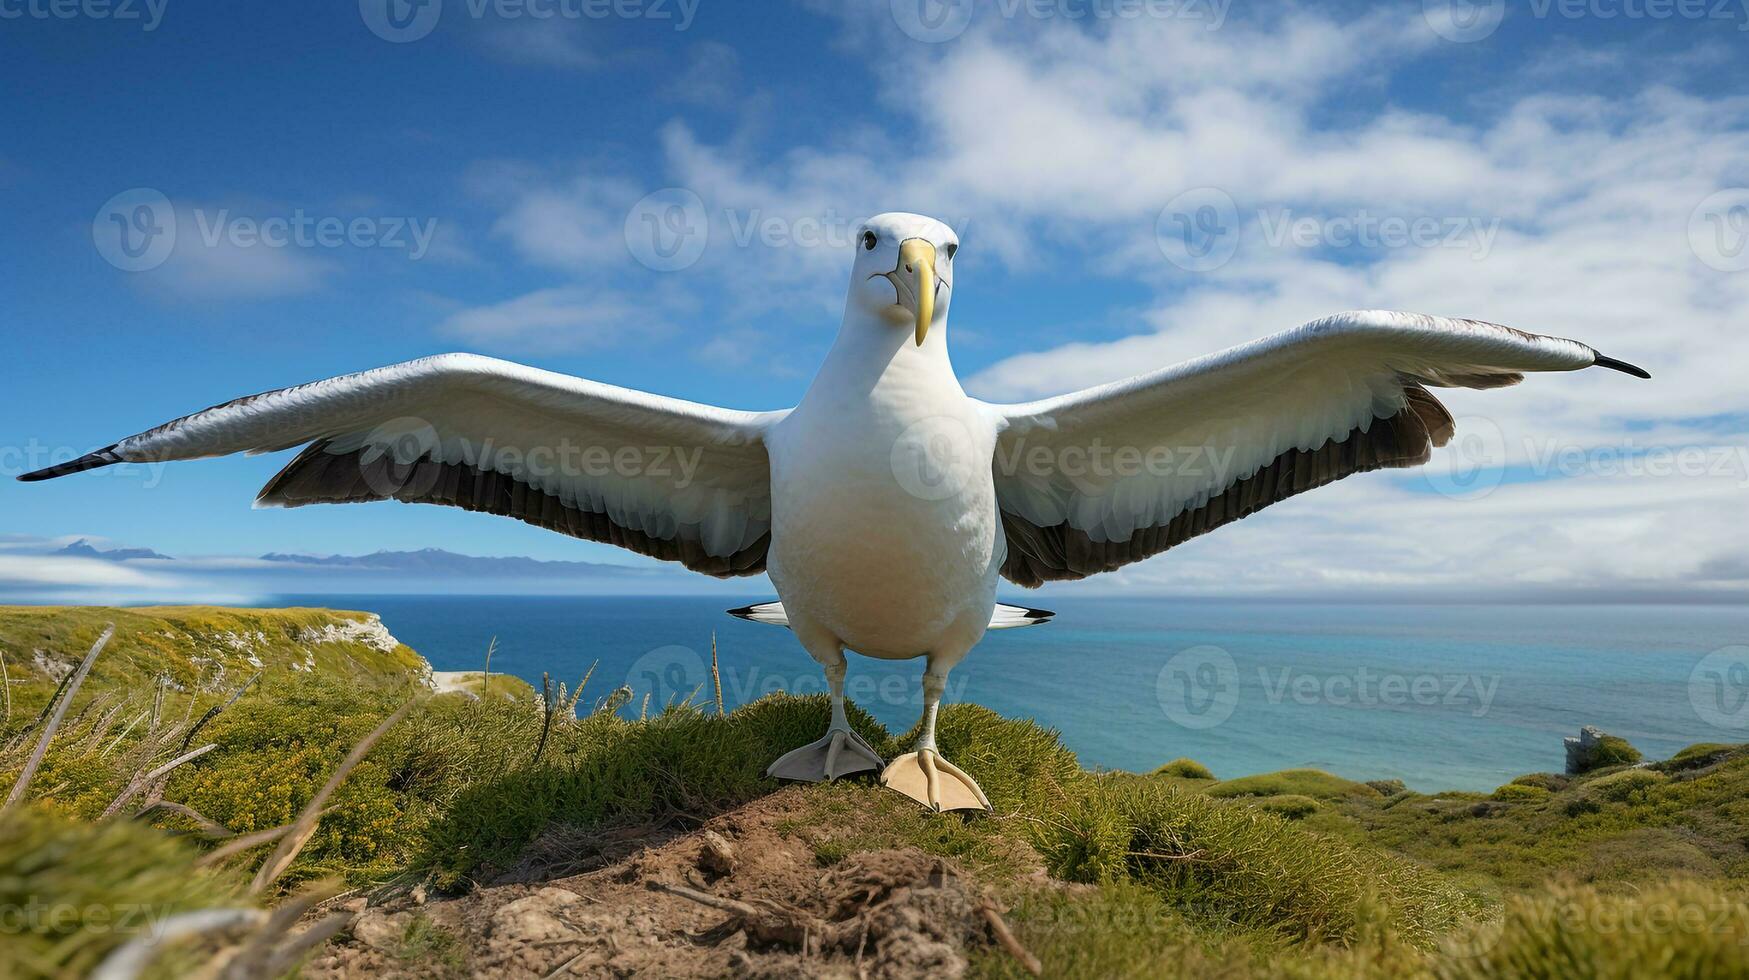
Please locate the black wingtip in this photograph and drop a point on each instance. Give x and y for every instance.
(1038, 615)
(1622, 366)
(743, 612)
(90, 461)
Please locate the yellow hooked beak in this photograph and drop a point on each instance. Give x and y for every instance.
(917, 263)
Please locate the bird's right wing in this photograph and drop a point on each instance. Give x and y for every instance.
(1097, 479)
(662, 477)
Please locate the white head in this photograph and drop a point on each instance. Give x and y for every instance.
(903, 273)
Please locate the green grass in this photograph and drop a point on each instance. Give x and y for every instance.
(1697, 755)
(1315, 783)
(504, 686)
(196, 648)
(70, 891)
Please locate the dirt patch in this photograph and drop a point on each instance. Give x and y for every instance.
(736, 897)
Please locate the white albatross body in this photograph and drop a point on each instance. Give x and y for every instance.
(887, 506)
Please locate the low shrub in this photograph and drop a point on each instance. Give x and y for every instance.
(1679, 930)
(1184, 769)
(1292, 806)
(1302, 782)
(1552, 782)
(1521, 793)
(1697, 755)
(1229, 862)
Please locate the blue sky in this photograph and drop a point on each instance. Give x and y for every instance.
(1561, 158)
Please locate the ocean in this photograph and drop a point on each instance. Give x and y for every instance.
(1439, 696)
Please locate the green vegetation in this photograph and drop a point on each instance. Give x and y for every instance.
(70, 890)
(1299, 782)
(1298, 873)
(1185, 769)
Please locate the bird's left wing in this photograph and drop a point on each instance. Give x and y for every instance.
(663, 477)
(1094, 480)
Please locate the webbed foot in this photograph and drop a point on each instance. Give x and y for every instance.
(841, 753)
(934, 782)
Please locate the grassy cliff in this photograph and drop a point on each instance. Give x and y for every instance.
(1176, 872)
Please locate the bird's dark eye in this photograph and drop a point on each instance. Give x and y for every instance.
(868, 240)
(951, 248)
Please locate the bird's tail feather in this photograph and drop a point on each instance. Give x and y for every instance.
(1005, 617)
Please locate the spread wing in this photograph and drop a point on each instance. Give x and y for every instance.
(1094, 480)
(659, 476)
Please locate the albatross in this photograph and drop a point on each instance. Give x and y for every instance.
(888, 505)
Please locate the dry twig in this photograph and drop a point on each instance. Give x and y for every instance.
(1005, 938)
(42, 745)
(140, 782)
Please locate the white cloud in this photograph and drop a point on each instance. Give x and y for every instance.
(576, 225)
(542, 43)
(569, 318)
(712, 76)
(209, 262)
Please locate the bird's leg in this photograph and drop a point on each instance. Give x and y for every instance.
(924, 775)
(842, 752)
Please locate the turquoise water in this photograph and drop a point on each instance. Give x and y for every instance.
(1442, 697)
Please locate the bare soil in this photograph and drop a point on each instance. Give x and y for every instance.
(736, 897)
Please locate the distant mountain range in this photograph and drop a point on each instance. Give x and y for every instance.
(83, 549)
(436, 561)
(141, 573)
